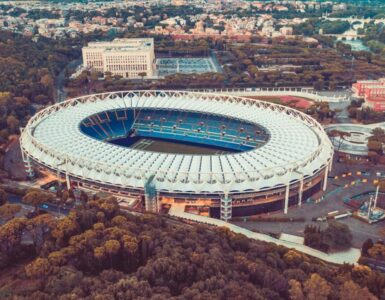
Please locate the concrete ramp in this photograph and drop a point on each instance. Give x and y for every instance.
(351, 256)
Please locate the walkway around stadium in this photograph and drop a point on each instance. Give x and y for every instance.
(351, 256)
(304, 92)
(360, 133)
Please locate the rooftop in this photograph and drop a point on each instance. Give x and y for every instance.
(285, 157)
(124, 44)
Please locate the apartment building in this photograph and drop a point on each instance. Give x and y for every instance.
(130, 58)
(372, 91)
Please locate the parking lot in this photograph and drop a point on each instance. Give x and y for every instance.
(337, 190)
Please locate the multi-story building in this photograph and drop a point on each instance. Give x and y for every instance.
(179, 2)
(372, 91)
(339, 7)
(129, 58)
(286, 30)
(359, 88)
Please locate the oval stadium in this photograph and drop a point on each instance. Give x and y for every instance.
(231, 155)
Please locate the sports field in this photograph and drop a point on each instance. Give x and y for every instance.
(189, 65)
(168, 146)
(291, 101)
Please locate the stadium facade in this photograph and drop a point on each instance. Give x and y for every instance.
(268, 156)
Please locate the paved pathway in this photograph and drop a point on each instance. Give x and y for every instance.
(356, 143)
(60, 80)
(351, 256)
(308, 93)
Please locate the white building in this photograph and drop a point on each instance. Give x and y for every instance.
(286, 30)
(130, 58)
(339, 7)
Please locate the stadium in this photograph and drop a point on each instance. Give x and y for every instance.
(232, 155)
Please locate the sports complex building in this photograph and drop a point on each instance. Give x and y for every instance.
(234, 155)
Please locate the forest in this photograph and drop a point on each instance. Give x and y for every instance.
(28, 70)
(100, 252)
(312, 26)
(28, 67)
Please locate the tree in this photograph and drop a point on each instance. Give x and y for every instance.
(319, 85)
(95, 76)
(99, 252)
(11, 247)
(119, 220)
(352, 112)
(378, 133)
(381, 183)
(65, 228)
(337, 235)
(316, 288)
(39, 268)
(64, 197)
(3, 197)
(7, 211)
(39, 227)
(57, 258)
(142, 74)
(5, 98)
(83, 197)
(360, 274)
(47, 81)
(117, 76)
(334, 134)
(377, 251)
(130, 244)
(36, 198)
(295, 291)
(366, 246)
(374, 157)
(293, 258)
(13, 123)
(375, 146)
(313, 238)
(41, 99)
(247, 62)
(11, 235)
(130, 256)
(350, 290)
(111, 247)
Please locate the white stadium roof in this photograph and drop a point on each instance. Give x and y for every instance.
(298, 145)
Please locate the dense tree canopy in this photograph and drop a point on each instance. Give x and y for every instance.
(99, 252)
(28, 68)
(336, 236)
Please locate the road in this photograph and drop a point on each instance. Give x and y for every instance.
(60, 80)
(48, 207)
(343, 116)
(350, 256)
(333, 201)
(13, 161)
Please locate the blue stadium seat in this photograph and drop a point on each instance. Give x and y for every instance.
(185, 126)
